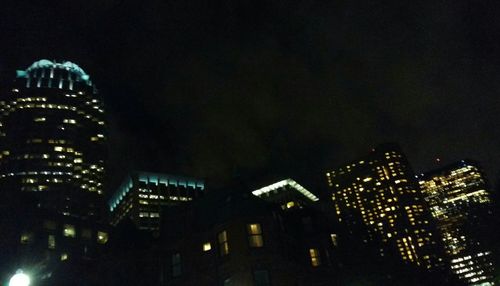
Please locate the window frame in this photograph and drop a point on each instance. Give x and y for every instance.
(223, 244)
(255, 239)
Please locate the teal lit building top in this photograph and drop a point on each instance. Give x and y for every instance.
(52, 74)
(155, 179)
(142, 195)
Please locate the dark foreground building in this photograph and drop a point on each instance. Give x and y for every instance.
(229, 237)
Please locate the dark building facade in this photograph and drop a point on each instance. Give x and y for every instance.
(142, 196)
(378, 199)
(460, 202)
(229, 238)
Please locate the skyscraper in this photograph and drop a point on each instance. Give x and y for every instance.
(460, 202)
(52, 139)
(377, 197)
(52, 155)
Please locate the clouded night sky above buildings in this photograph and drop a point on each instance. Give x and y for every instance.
(238, 88)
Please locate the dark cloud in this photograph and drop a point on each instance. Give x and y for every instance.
(255, 88)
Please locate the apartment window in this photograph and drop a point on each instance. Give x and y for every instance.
(51, 242)
(255, 238)
(64, 256)
(223, 243)
(102, 237)
(261, 278)
(315, 258)
(333, 237)
(69, 230)
(207, 246)
(26, 238)
(176, 265)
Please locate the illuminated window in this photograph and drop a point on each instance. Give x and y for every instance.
(255, 238)
(26, 238)
(51, 243)
(64, 256)
(69, 230)
(315, 258)
(207, 246)
(176, 265)
(333, 237)
(39, 119)
(102, 237)
(223, 243)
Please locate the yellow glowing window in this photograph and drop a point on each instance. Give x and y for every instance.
(64, 256)
(51, 242)
(69, 230)
(290, 204)
(315, 258)
(223, 243)
(58, 148)
(255, 238)
(25, 238)
(333, 237)
(102, 237)
(207, 246)
(39, 119)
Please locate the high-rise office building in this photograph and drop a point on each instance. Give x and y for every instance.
(52, 139)
(142, 196)
(52, 155)
(460, 202)
(378, 198)
(287, 193)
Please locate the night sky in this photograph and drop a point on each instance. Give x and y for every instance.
(250, 88)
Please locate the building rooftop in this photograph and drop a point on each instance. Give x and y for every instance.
(283, 183)
(67, 65)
